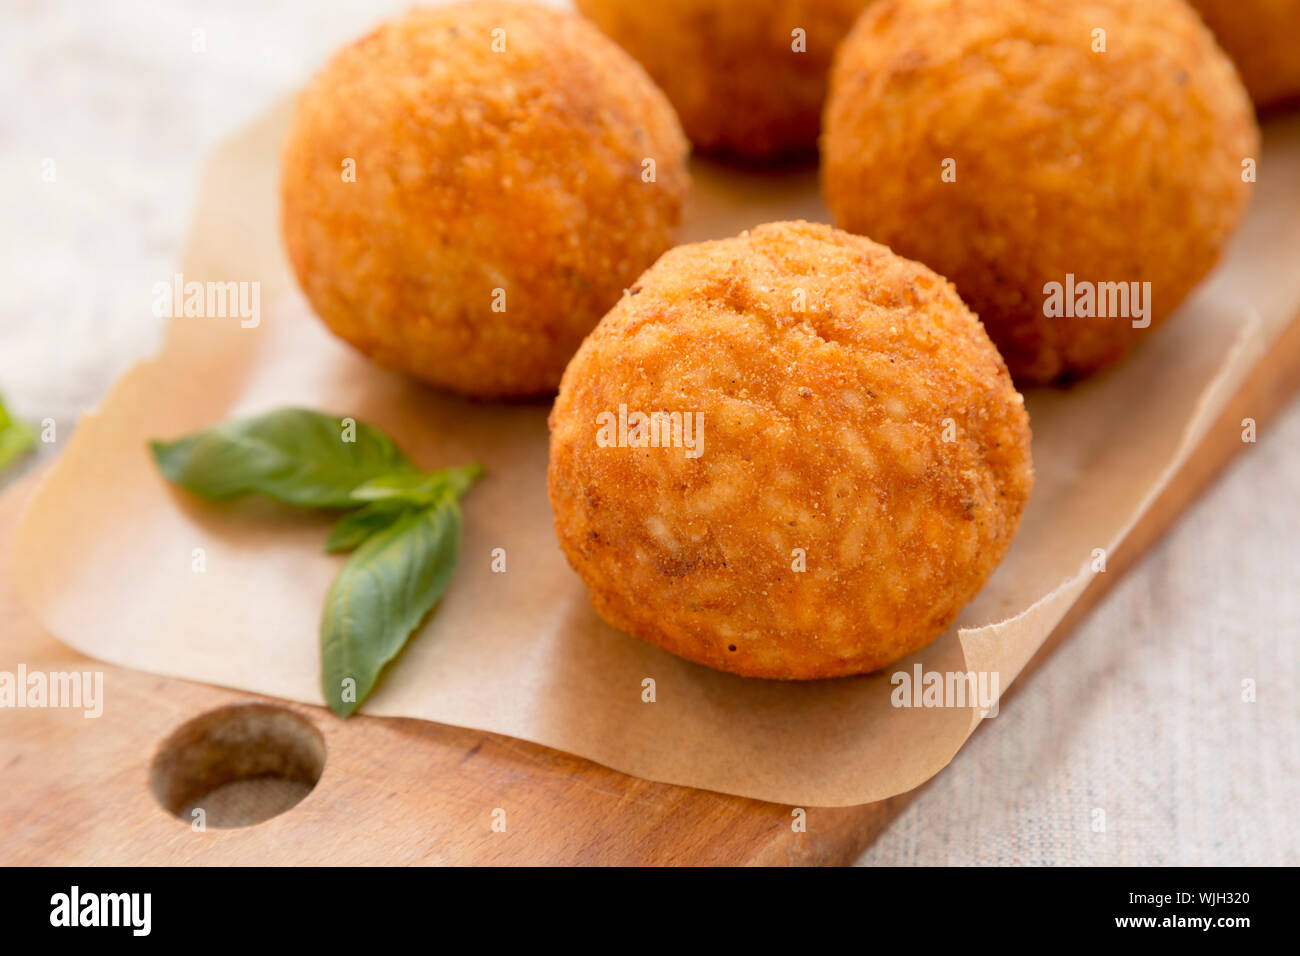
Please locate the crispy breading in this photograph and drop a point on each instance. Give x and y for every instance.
(858, 472)
(743, 81)
(502, 199)
(1119, 165)
(1263, 39)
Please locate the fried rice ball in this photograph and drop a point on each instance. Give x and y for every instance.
(996, 143)
(1263, 39)
(469, 188)
(744, 83)
(857, 470)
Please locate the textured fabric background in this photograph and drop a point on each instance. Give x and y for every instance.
(1139, 715)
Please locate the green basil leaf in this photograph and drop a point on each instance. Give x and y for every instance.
(419, 487)
(380, 597)
(459, 479)
(293, 455)
(355, 526)
(16, 439)
(390, 495)
(416, 487)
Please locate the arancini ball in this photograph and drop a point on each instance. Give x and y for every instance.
(1074, 168)
(469, 188)
(748, 77)
(1263, 39)
(788, 454)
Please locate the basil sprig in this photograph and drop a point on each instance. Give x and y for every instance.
(403, 528)
(16, 439)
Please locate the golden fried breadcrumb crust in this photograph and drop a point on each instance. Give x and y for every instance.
(500, 202)
(857, 423)
(1263, 39)
(744, 83)
(1117, 166)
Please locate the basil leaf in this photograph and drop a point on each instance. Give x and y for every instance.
(380, 596)
(391, 495)
(417, 487)
(16, 439)
(459, 479)
(420, 488)
(355, 526)
(293, 455)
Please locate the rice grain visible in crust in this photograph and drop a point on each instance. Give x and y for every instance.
(856, 418)
(501, 202)
(1115, 166)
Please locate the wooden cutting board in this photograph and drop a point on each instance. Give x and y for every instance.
(81, 790)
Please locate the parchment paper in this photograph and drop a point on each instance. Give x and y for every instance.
(106, 550)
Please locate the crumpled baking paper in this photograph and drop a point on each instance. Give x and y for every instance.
(107, 550)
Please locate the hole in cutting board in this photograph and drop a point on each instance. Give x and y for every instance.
(241, 765)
